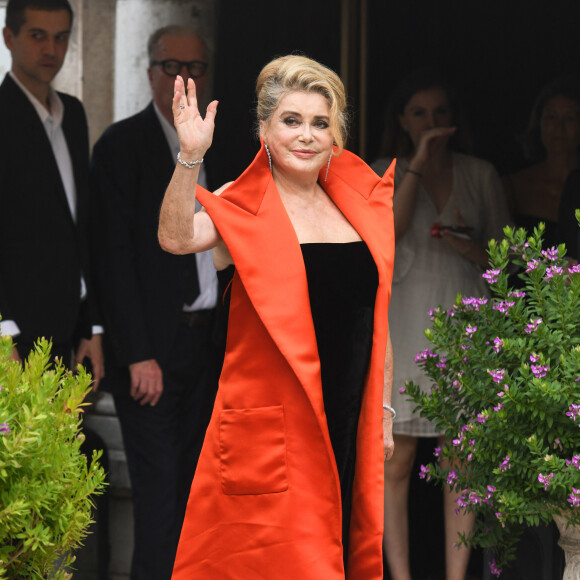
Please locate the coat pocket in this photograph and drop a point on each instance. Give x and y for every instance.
(253, 451)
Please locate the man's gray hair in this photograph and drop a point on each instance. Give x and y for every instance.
(173, 30)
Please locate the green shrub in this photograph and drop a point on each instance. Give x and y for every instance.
(506, 376)
(46, 483)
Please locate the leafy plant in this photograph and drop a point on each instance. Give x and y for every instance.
(506, 391)
(46, 483)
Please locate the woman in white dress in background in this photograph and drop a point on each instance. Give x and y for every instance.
(434, 186)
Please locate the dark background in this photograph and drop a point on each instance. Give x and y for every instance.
(499, 54)
(249, 35)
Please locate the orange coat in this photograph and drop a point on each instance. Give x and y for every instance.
(265, 502)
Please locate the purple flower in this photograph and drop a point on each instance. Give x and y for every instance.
(498, 407)
(534, 357)
(482, 417)
(4, 429)
(516, 294)
(533, 325)
(473, 303)
(491, 276)
(424, 355)
(469, 330)
(493, 568)
(546, 480)
(573, 412)
(402, 390)
(441, 364)
(551, 254)
(505, 464)
(575, 497)
(488, 499)
(552, 271)
(532, 265)
(424, 473)
(437, 451)
(497, 375)
(451, 477)
(574, 269)
(539, 370)
(503, 306)
(575, 461)
(474, 498)
(497, 344)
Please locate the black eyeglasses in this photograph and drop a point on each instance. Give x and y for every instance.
(172, 67)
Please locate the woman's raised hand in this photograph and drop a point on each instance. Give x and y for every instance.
(194, 132)
(429, 140)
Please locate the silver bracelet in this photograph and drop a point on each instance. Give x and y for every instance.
(389, 408)
(189, 164)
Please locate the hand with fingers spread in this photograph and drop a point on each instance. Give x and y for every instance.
(195, 133)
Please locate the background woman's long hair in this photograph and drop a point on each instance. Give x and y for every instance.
(396, 142)
(567, 86)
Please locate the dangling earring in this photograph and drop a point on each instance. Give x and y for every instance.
(327, 166)
(269, 157)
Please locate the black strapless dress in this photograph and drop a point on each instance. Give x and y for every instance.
(342, 284)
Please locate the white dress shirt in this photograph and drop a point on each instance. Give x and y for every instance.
(52, 123)
(206, 274)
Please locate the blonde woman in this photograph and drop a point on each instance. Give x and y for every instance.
(289, 482)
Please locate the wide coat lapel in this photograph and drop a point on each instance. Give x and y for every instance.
(365, 199)
(268, 259)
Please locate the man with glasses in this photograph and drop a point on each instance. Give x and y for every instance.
(159, 309)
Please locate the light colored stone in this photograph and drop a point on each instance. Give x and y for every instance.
(136, 20)
(569, 542)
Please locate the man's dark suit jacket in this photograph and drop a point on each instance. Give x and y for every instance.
(140, 285)
(42, 250)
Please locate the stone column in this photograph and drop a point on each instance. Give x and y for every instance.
(98, 63)
(136, 20)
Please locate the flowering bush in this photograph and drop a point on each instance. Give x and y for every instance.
(506, 391)
(46, 483)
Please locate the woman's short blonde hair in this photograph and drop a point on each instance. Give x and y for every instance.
(298, 73)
